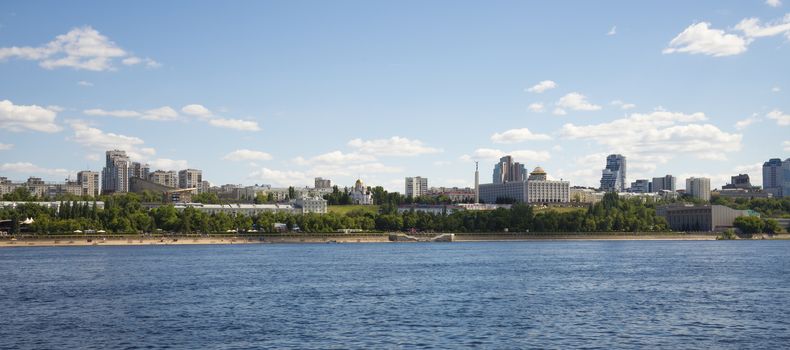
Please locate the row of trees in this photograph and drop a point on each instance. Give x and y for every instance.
(126, 214)
(768, 207)
(753, 224)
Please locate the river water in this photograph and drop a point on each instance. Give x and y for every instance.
(562, 294)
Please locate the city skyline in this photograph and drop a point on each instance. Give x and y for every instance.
(247, 101)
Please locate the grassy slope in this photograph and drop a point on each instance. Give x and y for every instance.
(343, 209)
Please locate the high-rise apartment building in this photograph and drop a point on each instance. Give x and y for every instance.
(786, 178)
(665, 183)
(139, 170)
(416, 186)
(508, 171)
(164, 178)
(641, 186)
(698, 187)
(773, 177)
(115, 175)
(613, 176)
(190, 178)
(89, 182)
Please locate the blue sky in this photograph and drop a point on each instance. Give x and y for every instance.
(281, 92)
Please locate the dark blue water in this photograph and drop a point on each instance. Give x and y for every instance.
(490, 295)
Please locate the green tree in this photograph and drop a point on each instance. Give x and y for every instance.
(771, 226)
(749, 224)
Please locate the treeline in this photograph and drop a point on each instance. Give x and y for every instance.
(381, 197)
(126, 214)
(768, 207)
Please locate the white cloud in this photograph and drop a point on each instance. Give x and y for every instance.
(559, 111)
(518, 135)
(335, 157)
(776, 89)
(394, 146)
(522, 156)
(167, 113)
(781, 118)
(373, 168)
(624, 106)
(339, 169)
(247, 155)
(164, 113)
(699, 38)
(196, 110)
(742, 124)
(6, 146)
(20, 117)
(627, 106)
(542, 86)
(773, 3)
(536, 107)
(279, 178)
(238, 124)
(95, 139)
(612, 31)
(168, 164)
(786, 146)
(80, 48)
(364, 170)
(752, 28)
(658, 133)
(120, 113)
(133, 60)
(752, 169)
(31, 169)
(84, 83)
(576, 102)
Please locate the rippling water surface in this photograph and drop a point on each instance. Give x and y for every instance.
(636, 294)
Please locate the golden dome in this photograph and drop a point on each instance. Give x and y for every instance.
(538, 171)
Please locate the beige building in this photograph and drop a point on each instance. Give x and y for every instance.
(89, 183)
(311, 205)
(190, 178)
(585, 195)
(542, 190)
(698, 187)
(684, 217)
(164, 178)
(115, 175)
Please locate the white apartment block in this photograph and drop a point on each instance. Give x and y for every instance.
(416, 186)
(698, 187)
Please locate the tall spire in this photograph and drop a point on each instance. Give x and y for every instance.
(477, 184)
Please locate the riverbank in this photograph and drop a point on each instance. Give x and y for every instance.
(64, 241)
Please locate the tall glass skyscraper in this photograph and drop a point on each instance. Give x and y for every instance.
(613, 176)
(508, 171)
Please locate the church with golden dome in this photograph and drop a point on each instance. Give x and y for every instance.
(360, 194)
